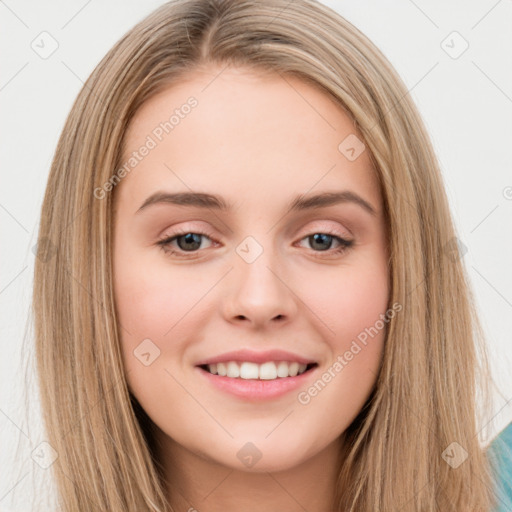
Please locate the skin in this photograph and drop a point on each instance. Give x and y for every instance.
(259, 141)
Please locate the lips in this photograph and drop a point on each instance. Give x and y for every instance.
(242, 365)
(251, 356)
(257, 390)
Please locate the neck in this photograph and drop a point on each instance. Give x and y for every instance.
(197, 483)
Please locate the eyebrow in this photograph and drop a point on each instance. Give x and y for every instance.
(300, 203)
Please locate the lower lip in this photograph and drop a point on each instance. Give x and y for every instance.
(256, 389)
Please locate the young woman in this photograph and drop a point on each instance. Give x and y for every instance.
(248, 293)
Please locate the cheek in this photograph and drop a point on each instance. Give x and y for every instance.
(150, 294)
(351, 302)
(348, 299)
(145, 304)
(345, 382)
(151, 303)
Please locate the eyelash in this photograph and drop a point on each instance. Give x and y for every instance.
(165, 242)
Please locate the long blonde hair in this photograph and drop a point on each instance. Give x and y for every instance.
(434, 367)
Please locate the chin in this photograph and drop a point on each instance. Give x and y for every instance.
(261, 456)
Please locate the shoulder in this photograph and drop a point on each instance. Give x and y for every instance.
(500, 456)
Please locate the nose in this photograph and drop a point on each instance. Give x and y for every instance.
(260, 293)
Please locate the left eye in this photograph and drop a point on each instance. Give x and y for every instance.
(317, 239)
(189, 242)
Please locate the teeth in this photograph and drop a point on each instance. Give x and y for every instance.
(266, 371)
(233, 370)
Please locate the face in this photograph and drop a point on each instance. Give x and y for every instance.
(195, 281)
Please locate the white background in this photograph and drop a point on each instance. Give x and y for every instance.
(466, 103)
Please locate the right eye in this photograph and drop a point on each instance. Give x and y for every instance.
(188, 242)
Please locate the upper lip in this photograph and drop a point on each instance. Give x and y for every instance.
(256, 357)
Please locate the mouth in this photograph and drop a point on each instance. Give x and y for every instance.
(270, 370)
(257, 383)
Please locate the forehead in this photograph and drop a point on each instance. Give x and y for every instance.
(246, 136)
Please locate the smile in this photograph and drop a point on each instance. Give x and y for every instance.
(266, 371)
(257, 382)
